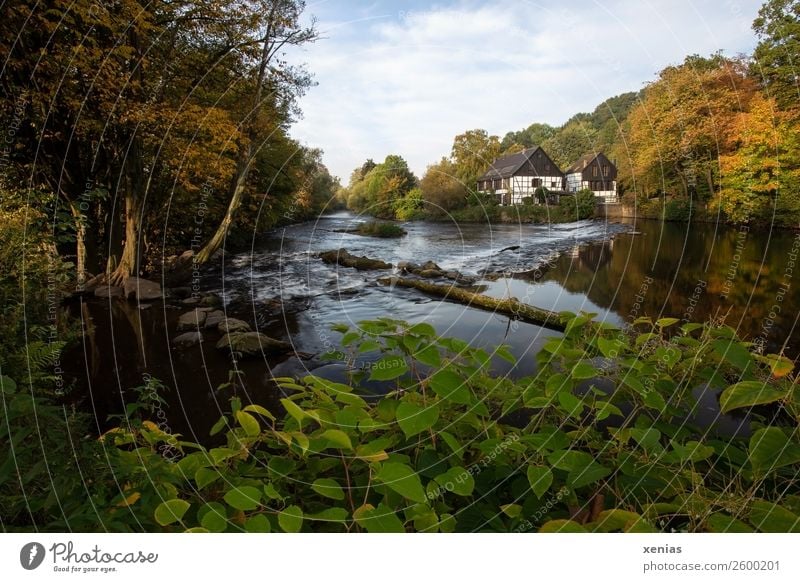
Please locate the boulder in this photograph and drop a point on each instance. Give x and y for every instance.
(345, 259)
(233, 325)
(108, 291)
(407, 266)
(191, 301)
(187, 339)
(192, 320)
(214, 318)
(430, 273)
(211, 300)
(252, 343)
(430, 265)
(142, 289)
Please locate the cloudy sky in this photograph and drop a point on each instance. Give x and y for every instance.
(405, 77)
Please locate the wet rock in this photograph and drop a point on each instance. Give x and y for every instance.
(193, 320)
(408, 266)
(179, 292)
(191, 301)
(188, 339)
(252, 343)
(214, 318)
(344, 258)
(511, 248)
(143, 306)
(142, 289)
(453, 275)
(430, 273)
(108, 291)
(233, 325)
(211, 300)
(430, 265)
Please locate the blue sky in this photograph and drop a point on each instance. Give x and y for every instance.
(406, 77)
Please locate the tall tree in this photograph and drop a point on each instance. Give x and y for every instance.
(777, 56)
(473, 151)
(274, 82)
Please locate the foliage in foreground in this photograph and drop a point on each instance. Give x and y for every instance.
(454, 447)
(380, 229)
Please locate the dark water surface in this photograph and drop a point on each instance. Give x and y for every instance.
(668, 269)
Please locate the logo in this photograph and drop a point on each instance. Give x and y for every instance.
(31, 555)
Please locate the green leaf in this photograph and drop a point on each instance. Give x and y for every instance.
(402, 479)
(587, 475)
(450, 386)
(771, 518)
(771, 449)
(245, 498)
(750, 393)
(457, 480)
(337, 439)
(219, 425)
(171, 511)
(414, 419)
(257, 524)
(423, 329)
(583, 371)
(294, 411)
(667, 321)
(733, 352)
(368, 346)
(328, 488)
(204, 476)
(388, 368)
(291, 519)
(571, 404)
(429, 355)
(260, 410)
(722, 523)
(378, 520)
(512, 510)
(248, 423)
(7, 385)
(562, 526)
(610, 348)
(540, 479)
(214, 518)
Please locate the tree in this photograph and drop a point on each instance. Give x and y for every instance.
(442, 191)
(279, 29)
(777, 56)
(684, 123)
(761, 174)
(533, 135)
(472, 153)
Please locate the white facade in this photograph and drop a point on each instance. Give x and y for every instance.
(575, 182)
(514, 189)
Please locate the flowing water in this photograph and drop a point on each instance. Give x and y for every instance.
(619, 271)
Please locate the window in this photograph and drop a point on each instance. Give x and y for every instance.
(605, 170)
(554, 184)
(594, 171)
(496, 184)
(536, 182)
(505, 183)
(547, 168)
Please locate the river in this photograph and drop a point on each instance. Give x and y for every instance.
(619, 271)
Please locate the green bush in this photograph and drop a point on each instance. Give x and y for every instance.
(381, 230)
(441, 452)
(679, 209)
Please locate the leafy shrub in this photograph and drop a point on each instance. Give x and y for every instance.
(380, 230)
(441, 451)
(541, 194)
(679, 209)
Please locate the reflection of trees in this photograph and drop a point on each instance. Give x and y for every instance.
(675, 257)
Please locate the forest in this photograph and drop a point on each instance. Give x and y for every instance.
(146, 139)
(718, 134)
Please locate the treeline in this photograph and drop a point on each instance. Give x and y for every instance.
(146, 128)
(716, 134)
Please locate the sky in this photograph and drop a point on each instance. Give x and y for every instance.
(406, 77)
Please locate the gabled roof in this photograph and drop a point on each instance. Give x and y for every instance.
(584, 161)
(507, 166)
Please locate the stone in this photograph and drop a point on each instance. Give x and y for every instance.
(430, 273)
(211, 300)
(142, 289)
(192, 320)
(214, 318)
(191, 301)
(252, 343)
(187, 339)
(108, 291)
(453, 275)
(233, 325)
(430, 265)
(407, 266)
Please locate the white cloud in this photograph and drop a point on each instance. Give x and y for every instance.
(409, 82)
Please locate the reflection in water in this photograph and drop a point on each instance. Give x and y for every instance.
(693, 272)
(688, 271)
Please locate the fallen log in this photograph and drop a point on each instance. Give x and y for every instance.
(512, 306)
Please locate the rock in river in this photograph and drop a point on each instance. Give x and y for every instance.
(193, 320)
(252, 343)
(142, 289)
(233, 325)
(188, 339)
(108, 291)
